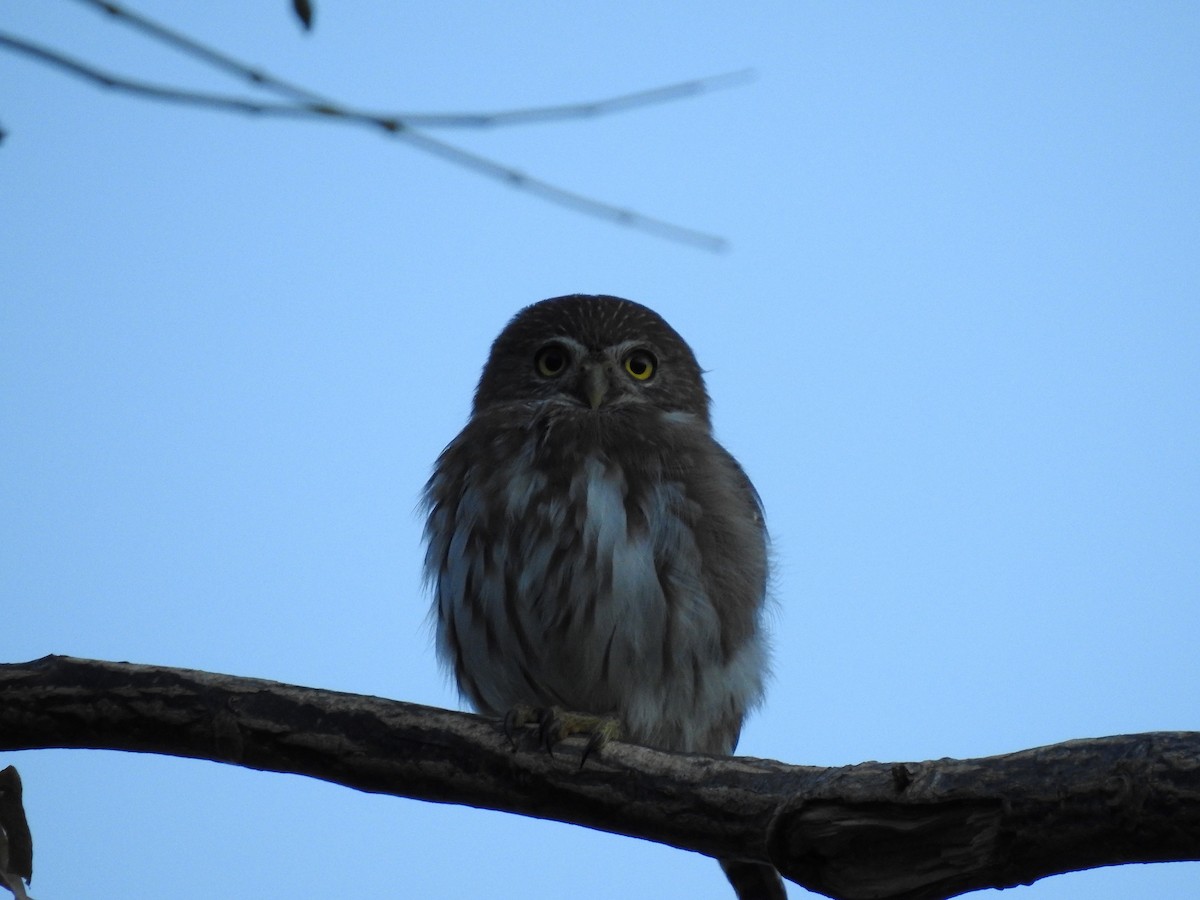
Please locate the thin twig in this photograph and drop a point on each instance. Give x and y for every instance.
(593, 109)
(309, 104)
(394, 127)
(154, 91)
(563, 197)
(259, 78)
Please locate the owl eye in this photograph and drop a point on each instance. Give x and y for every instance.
(641, 364)
(551, 360)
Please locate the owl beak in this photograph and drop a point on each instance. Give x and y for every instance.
(594, 385)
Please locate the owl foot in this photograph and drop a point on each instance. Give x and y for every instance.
(554, 725)
(557, 724)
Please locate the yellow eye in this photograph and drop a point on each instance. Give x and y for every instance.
(641, 364)
(551, 360)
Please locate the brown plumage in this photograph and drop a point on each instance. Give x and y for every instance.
(592, 547)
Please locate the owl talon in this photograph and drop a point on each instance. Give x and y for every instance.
(517, 717)
(556, 725)
(606, 730)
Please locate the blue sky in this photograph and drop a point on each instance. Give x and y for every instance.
(955, 343)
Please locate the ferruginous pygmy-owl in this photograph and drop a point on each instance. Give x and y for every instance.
(592, 547)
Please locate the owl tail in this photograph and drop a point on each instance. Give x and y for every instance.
(753, 881)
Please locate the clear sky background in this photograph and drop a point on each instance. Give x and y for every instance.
(955, 343)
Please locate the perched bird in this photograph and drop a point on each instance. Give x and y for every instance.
(593, 549)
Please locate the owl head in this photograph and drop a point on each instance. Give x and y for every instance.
(591, 354)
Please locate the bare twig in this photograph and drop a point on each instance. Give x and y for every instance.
(304, 103)
(161, 92)
(395, 127)
(260, 78)
(906, 831)
(593, 109)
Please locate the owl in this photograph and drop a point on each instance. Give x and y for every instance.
(592, 548)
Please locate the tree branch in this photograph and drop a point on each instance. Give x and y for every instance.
(911, 831)
(259, 78)
(304, 103)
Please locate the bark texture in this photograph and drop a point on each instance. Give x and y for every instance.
(884, 831)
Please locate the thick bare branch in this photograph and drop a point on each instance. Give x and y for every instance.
(914, 831)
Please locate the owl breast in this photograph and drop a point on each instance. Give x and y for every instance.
(597, 584)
